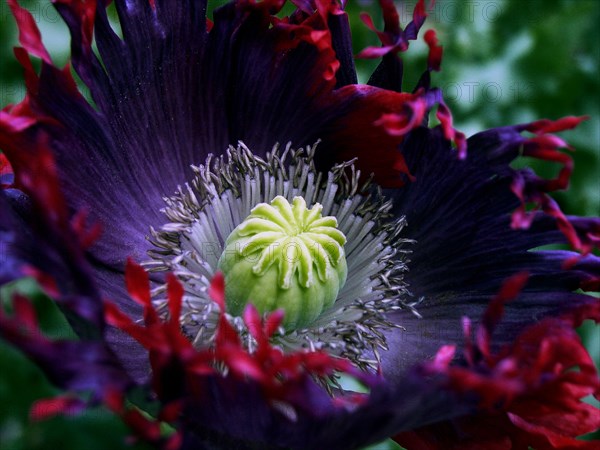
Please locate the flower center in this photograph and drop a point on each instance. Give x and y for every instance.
(338, 271)
(285, 256)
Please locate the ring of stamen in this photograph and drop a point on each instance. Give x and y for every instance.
(203, 213)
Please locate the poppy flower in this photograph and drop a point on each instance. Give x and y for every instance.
(234, 227)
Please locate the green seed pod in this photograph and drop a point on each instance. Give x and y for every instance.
(284, 257)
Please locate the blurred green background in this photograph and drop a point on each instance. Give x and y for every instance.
(504, 62)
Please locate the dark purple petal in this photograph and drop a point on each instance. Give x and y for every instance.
(174, 90)
(221, 419)
(264, 100)
(459, 214)
(151, 92)
(388, 74)
(342, 44)
(11, 256)
(169, 93)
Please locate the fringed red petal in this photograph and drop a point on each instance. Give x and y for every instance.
(86, 11)
(414, 110)
(393, 38)
(5, 169)
(545, 126)
(144, 428)
(138, 286)
(450, 133)
(587, 235)
(268, 366)
(530, 392)
(25, 315)
(532, 189)
(29, 34)
(434, 60)
(375, 115)
(35, 174)
(87, 233)
(34, 168)
(313, 30)
(48, 408)
(33, 164)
